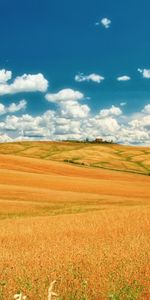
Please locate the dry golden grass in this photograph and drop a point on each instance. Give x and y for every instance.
(88, 228)
(103, 250)
(107, 156)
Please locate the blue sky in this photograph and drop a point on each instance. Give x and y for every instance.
(60, 40)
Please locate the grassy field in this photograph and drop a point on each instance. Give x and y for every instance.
(85, 226)
(106, 156)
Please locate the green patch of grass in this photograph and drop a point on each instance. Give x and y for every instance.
(53, 210)
(12, 215)
(119, 170)
(71, 161)
(3, 284)
(128, 291)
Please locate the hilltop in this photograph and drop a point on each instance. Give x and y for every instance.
(106, 156)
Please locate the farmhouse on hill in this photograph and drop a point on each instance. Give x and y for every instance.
(98, 140)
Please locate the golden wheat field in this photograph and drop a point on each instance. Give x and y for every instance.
(76, 213)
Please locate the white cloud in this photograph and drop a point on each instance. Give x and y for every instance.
(146, 109)
(2, 109)
(24, 122)
(106, 22)
(73, 110)
(123, 103)
(145, 72)
(54, 127)
(24, 83)
(73, 120)
(64, 95)
(124, 78)
(4, 138)
(113, 111)
(5, 75)
(104, 126)
(92, 77)
(13, 107)
(130, 135)
(143, 121)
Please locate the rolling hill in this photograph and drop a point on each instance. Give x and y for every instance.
(107, 156)
(67, 214)
(48, 178)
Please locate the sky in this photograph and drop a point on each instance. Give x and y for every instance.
(75, 69)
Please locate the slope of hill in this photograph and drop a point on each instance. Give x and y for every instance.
(86, 227)
(31, 186)
(107, 156)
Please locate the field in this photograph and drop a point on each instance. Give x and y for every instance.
(78, 213)
(105, 156)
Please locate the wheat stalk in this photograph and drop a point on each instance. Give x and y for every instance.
(51, 294)
(20, 297)
(50, 291)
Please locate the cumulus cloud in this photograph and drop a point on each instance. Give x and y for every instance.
(65, 95)
(24, 122)
(92, 77)
(5, 75)
(80, 124)
(104, 126)
(74, 120)
(2, 109)
(13, 107)
(4, 138)
(141, 122)
(73, 110)
(124, 78)
(24, 83)
(105, 22)
(130, 135)
(145, 72)
(146, 109)
(113, 111)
